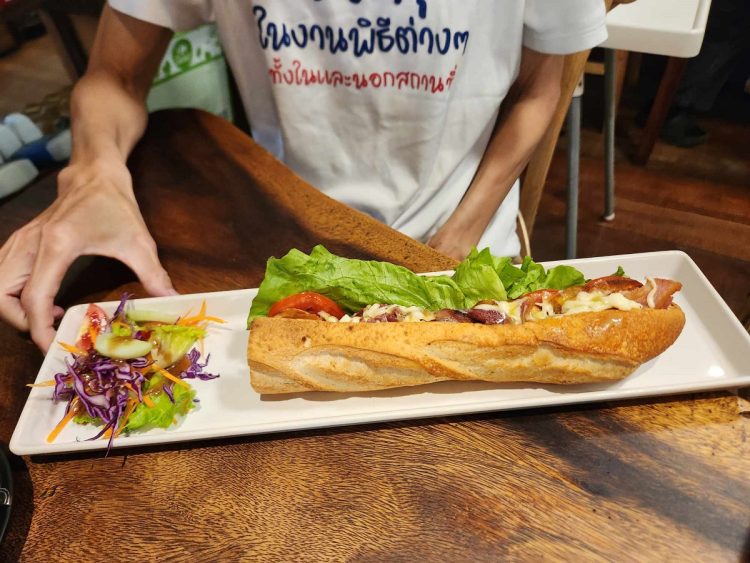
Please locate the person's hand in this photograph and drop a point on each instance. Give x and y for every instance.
(95, 213)
(452, 242)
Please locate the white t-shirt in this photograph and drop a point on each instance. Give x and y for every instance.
(385, 105)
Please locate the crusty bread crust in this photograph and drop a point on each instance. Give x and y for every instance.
(292, 355)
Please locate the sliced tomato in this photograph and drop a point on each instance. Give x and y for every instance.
(307, 301)
(95, 322)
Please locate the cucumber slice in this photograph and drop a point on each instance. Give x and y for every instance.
(144, 316)
(120, 347)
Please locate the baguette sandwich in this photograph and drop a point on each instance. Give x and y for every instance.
(325, 323)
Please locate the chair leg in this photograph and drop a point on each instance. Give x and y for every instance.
(574, 148)
(610, 71)
(658, 115)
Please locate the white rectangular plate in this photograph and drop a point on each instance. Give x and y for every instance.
(711, 353)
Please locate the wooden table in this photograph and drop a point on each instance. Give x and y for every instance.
(650, 479)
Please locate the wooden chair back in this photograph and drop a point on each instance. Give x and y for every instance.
(535, 175)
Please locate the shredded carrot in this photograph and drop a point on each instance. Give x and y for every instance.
(93, 334)
(72, 349)
(195, 318)
(107, 434)
(202, 311)
(200, 317)
(168, 375)
(214, 320)
(185, 316)
(149, 403)
(48, 383)
(60, 425)
(132, 403)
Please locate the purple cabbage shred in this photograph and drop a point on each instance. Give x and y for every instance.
(195, 369)
(121, 307)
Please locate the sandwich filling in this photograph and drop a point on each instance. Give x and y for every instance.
(611, 292)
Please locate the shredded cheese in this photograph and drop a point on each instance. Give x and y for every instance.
(651, 294)
(595, 301)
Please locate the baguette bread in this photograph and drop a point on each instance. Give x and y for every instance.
(292, 355)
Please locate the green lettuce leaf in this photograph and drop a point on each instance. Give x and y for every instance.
(352, 284)
(84, 418)
(535, 277)
(484, 276)
(173, 342)
(164, 411)
(161, 415)
(120, 329)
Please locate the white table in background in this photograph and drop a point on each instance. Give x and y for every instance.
(672, 28)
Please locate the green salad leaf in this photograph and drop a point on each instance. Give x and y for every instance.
(482, 274)
(351, 283)
(161, 415)
(174, 342)
(84, 418)
(535, 277)
(354, 284)
(164, 411)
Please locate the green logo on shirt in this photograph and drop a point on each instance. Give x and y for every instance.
(182, 53)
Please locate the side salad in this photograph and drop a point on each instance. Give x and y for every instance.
(129, 371)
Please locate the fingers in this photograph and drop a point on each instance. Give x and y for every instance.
(16, 262)
(37, 298)
(13, 275)
(36, 310)
(12, 313)
(144, 261)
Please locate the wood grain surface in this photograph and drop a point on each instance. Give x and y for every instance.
(662, 479)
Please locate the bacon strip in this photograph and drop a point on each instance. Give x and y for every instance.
(662, 297)
(486, 317)
(605, 285)
(451, 316)
(611, 284)
(530, 300)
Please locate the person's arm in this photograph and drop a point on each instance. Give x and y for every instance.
(524, 118)
(95, 212)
